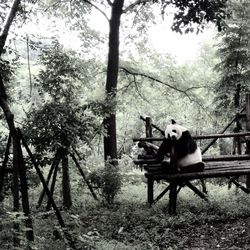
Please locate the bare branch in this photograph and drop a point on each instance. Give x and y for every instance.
(132, 5)
(155, 80)
(185, 92)
(96, 7)
(28, 61)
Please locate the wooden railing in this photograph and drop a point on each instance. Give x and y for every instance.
(229, 166)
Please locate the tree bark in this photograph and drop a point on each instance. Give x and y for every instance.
(66, 190)
(110, 142)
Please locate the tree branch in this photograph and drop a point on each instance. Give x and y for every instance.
(96, 7)
(132, 5)
(155, 80)
(134, 74)
(8, 23)
(109, 3)
(3, 38)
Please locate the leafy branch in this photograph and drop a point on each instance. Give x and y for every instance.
(187, 92)
(134, 74)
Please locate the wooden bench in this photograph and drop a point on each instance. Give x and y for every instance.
(228, 166)
(213, 169)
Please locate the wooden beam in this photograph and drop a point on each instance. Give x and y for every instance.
(204, 158)
(196, 191)
(150, 190)
(248, 138)
(222, 131)
(148, 127)
(162, 194)
(154, 126)
(225, 158)
(198, 175)
(172, 198)
(197, 137)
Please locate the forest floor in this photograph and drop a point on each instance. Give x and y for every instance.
(130, 224)
(223, 223)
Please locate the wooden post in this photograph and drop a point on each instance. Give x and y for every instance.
(248, 138)
(148, 127)
(24, 189)
(52, 187)
(50, 197)
(53, 165)
(83, 176)
(150, 181)
(172, 198)
(238, 139)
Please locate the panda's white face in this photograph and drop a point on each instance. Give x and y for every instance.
(174, 131)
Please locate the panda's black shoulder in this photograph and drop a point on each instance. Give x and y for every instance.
(186, 144)
(186, 136)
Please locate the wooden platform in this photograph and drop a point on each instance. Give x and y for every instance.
(230, 169)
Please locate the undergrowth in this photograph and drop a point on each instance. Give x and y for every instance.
(131, 224)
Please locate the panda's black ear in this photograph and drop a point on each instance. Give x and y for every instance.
(173, 121)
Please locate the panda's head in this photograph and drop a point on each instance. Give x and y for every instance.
(174, 131)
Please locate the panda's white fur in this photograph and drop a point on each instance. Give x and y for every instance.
(174, 132)
(190, 159)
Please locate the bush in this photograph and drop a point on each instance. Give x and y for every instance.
(108, 180)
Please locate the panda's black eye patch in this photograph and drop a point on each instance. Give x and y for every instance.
(174, 130)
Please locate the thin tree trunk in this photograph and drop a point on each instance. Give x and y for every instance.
(4, 166)
(110, 142)
(66, 190)
(24, 189)
(15, 193)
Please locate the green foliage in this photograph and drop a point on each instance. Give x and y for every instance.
(62, 118)
(196, 12)
(108, 180)
(234, 52)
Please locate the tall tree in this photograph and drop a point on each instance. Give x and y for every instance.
(187, 12)
(234, 52)
(18, 161)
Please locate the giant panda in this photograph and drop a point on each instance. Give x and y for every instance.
(179, 142)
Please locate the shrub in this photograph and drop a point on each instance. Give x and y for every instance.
(108, 180)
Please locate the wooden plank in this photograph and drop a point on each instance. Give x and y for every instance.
(197, 137)
(225, 158)
(215, 158)
(198, 175)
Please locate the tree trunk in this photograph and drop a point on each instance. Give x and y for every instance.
(110, 142)
(67, 201)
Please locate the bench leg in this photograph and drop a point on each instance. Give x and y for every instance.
(162, 194)
(150, 190)
(172, 198)
(196, 190)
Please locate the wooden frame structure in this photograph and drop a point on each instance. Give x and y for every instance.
(229, 166)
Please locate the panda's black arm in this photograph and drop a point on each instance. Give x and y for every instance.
(163, 150)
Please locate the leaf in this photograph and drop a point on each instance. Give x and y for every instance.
(120, 230)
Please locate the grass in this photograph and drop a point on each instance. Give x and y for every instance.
(131, 224)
